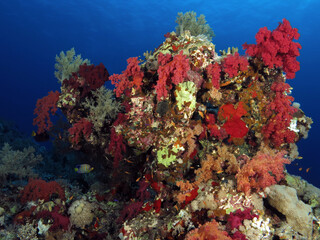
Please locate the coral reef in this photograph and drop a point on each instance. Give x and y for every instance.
(193, 145)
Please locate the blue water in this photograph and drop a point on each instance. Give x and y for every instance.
(34, 31)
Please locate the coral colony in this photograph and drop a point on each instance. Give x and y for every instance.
(193, 144)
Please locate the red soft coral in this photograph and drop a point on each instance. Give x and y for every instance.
(262, 171)
(214, 129)
(59, 221)
(130, 78)
(87, 79)
(116, 147)
(37, 189)
(232, 64)
(213, 72)
(277, 48)
(234, 126)
(82, 128)
(170, 72)
(236, 218)
(44, 107)
(280, 112)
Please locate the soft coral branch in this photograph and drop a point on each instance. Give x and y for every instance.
(262, 171)
(44, 107)
(171, 72)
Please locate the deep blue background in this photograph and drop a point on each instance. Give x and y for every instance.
(34, 31)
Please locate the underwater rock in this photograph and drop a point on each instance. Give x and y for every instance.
(298, 214)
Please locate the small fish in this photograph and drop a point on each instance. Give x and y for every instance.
(308, 169)
(201, 114)
(300, 169)
(83, 168)
(40, 137)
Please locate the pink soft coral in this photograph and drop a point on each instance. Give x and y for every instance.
(44, 107)
(277, 48)
(262, 171)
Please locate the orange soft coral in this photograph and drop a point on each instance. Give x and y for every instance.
(262, 171)
(208, 231)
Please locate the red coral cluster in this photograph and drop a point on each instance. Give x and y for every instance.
(236, 218)
(280, 112)
(88, 78)
(214, 129)
(59, 221)
(44, 107)
(213, 72)
(171, 72)
(130, 78)
(37, 189)
(232, 64)
(234, 126)
(82, 128)
(116, 147)
(277, 48)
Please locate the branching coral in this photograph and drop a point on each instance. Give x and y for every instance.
(196, 26)
(102, 107)
(19, 163)
(68, 63)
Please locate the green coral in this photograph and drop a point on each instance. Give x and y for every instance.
(102, 107)
(188, 21)
(186, 93)
(167, 156)
(19, 163)
(68, 63)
